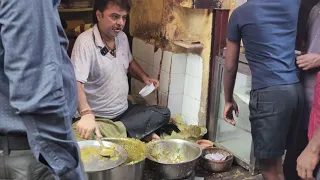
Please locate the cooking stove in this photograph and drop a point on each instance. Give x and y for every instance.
(190, 177)
(151, 176)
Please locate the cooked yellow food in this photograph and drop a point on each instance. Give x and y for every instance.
(92, 152)
(168, 156)
(107, 152)
(135, 148)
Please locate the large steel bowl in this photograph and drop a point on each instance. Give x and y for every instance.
(132, 169)
(173, 158)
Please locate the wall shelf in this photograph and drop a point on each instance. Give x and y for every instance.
(198, 4)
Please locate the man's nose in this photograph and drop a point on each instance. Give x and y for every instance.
(121, 22)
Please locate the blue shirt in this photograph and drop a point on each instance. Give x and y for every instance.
(268, 31)
(38, 91)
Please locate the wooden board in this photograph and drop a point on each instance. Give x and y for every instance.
(74, 9)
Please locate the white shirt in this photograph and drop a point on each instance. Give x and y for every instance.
(104, 77)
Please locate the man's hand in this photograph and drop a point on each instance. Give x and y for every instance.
(228, 112)
(149, 81)
(308, 61)
(86, 126)
(97, 132)
(306, 163)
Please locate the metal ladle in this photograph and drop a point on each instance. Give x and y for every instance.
(105, 152)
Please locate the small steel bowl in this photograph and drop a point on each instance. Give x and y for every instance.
(216, 166)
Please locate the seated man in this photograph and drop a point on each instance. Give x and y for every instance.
(101, 57)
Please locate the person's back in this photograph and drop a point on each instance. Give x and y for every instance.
(268, 31)
(37, 93)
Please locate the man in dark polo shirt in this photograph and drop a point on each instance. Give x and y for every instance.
(268, 31)
(310, 64)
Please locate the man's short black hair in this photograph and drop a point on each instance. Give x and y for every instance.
(101, 5)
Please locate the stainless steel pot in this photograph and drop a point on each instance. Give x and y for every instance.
(94, 162)
(128, 171)
(172, 159)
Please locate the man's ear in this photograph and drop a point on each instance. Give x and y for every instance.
(99, 15)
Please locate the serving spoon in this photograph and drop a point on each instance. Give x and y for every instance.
(105, 152)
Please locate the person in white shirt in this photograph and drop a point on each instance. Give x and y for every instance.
(101, 57)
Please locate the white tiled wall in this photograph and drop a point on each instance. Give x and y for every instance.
(177, 84)
(157, 65)
(179, 62)
(166, 61)
(180, 77)
(175, 103)
(177, 80)
(194, 65)
(192, 89)
(163, 99)
(164, 82)
(190, 109)
(185, 86)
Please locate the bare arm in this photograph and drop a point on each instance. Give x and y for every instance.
(136, 71)
(82, 98)
(309, 158)
(87, 124)
(230, 69)
(314, 143)
(230, 72)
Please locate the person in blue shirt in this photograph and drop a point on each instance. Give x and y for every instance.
(38, 94)
(268, 31)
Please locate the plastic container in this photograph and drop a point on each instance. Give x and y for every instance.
(147, 90)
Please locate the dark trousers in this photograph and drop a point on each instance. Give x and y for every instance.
(18, 162)
(21, 164)
(275, 115)
(141, 120)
